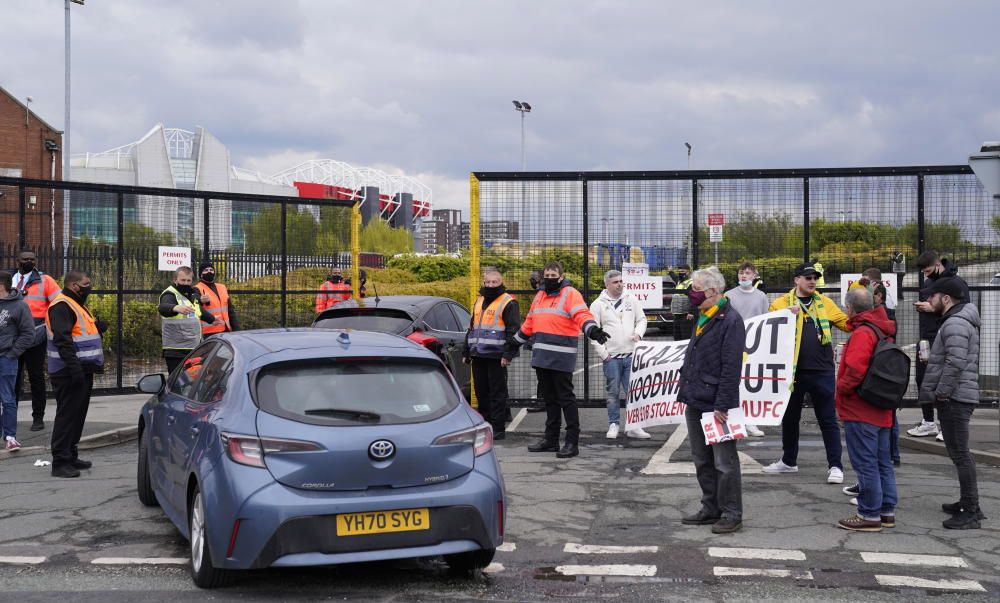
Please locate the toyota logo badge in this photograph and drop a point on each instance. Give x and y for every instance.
(380, 450)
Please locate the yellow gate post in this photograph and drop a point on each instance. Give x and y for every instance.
(356, 250)
(474, 278)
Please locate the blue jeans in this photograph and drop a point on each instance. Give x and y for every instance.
(894, 439)
(8, 399)
(868, 449)
(820, 387)
(616, 372)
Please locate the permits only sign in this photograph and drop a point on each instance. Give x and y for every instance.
(172, 258)
(646, 289)
(765, 375)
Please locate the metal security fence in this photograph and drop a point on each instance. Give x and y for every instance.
(846, 219)
(263, 248)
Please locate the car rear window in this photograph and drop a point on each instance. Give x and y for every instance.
(355, 392)
(381, 320)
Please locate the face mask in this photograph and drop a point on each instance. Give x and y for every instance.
(491, 291)
(185, 289)
(551, 284)
(335, 278)
(696, 298)
(83, 292)
(208, 277)
(26, 267)
(746, 284)
(683, 275)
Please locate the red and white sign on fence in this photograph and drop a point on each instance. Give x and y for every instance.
(172, 258)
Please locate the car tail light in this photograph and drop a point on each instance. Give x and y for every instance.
(479, 437)
(250, 450)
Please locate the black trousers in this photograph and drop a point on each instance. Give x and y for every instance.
(560, 401)
(72, 403)
(173, 362)
(926, 409)
(33, 359)
(490, 380)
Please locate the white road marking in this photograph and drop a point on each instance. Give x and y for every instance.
(914, 582)
(140, 561)
(747, 553)
(493, 568)
(907, 559)
(517, 419)
(723, 572)
(595, 549)
(507, 547)
(607, 570)
(22, 560)
(659, 463)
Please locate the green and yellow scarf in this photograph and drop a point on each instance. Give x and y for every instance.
(706, 316)
(817, 312)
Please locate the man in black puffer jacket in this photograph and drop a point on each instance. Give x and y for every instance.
(710, 382)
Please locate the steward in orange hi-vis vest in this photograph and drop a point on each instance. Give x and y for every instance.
(333, 291)
(219, 304)
(556, 320)
(557, 316)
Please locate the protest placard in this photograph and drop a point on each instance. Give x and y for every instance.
(765, 383)
(889, 280)
(716, 431)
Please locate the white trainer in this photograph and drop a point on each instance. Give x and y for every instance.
(926, 428)
(780, 467)
(754, 431)
(835, 476)
(612, 431)
(940, 436)
(638, 433)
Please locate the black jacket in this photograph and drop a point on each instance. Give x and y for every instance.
(929, 322)
(710, 377)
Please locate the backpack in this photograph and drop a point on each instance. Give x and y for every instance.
(888, 374)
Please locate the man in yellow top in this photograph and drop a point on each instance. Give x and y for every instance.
(813, 368)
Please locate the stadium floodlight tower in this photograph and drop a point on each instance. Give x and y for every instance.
(986, 165)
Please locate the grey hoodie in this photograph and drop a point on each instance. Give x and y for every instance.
(953, 367)
(17, 328)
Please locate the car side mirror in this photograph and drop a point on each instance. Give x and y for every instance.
(152, 384)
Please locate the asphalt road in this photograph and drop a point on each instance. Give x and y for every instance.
(559, 511)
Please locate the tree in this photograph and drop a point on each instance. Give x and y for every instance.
(379, 237)
(334, 230)
(263, 232)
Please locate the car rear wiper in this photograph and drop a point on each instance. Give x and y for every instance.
(361, 415)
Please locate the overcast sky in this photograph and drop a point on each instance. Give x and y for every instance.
(425, 87)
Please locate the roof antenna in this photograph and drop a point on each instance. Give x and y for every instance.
(374, 288)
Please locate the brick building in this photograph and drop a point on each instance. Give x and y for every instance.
(29, 148)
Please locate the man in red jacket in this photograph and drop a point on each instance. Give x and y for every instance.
(867, 428)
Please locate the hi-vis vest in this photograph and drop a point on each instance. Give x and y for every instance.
(39, 294)
(86, 338)
(218, 307)
(488, 335)
(331, 294)
(183, 331)
(555, 321)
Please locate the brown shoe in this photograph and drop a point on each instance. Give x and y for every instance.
(888, 521)
(860, 524)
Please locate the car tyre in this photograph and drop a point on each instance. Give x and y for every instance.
(471, 561)
(203, 573)
(144, 485)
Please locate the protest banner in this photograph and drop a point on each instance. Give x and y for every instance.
(765, 381)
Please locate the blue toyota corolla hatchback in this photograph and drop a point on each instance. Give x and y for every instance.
(299, 447)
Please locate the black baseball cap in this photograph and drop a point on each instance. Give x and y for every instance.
(805, 270)
(949, 285)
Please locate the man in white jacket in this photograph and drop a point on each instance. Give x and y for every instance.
(621, 317)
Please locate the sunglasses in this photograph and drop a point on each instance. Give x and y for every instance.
(810, 277)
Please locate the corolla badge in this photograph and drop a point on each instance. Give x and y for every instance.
(381, 450)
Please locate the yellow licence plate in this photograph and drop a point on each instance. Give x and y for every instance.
(652, 317)
(380, 522)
